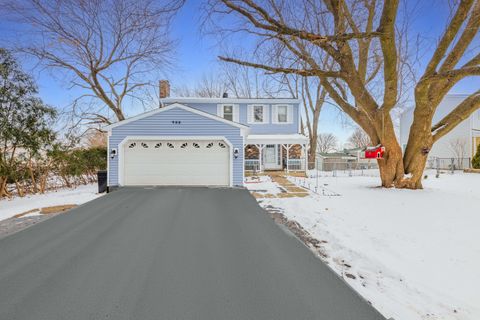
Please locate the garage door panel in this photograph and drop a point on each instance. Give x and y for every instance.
(163, 162)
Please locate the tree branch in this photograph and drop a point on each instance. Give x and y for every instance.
(456, 116)
(449, 35)
(301, 72)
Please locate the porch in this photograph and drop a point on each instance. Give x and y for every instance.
(276, 152)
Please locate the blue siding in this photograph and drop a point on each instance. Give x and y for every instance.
(264, 128)
(192, 124)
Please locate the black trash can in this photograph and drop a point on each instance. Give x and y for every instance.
(102, 181)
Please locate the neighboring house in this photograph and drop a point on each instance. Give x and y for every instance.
(461, 142)
(345, 159)
(203, 141)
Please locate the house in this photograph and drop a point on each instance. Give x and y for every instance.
(344, 160)
(460, 143)
(205, 141)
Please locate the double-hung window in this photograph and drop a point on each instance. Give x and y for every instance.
(282, 114)
(258, 113)
(228, 112)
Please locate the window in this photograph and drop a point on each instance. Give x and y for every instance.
(257, 113)
(228, 112)
(282, 114)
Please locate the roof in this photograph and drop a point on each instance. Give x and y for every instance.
(340, 155)
(227, 100)
(294, 138)
(170, 107)
(345, 153)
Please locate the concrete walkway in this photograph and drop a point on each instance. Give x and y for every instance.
(168, 253)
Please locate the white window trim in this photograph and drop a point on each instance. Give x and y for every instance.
(236, 115)
(290, 115)
(250, 114)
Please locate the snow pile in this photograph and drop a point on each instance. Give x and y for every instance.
(412, 254)
(79, 195)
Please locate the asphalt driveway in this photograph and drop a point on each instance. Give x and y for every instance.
(168, 253)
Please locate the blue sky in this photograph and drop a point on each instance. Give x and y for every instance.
(197, 55)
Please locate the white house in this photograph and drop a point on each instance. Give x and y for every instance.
(461, 142)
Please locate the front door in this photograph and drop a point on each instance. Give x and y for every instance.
(271, 159)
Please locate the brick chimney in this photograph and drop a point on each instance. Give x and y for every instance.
(164, 89)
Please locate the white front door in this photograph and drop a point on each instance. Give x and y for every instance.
(176, 162)
(271, 158)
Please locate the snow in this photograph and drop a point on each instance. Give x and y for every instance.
(262, 184)
(79, 195)
(415, 254)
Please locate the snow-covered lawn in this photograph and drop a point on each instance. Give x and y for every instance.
(261, 184)
(414, 254)
(79, 195)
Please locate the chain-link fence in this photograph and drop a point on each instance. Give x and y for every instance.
(336, 167)
(329, 167)
(451, 164)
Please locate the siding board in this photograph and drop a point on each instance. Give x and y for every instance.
(192, 124)
(263, 128)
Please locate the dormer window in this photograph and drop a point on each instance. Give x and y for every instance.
(257, 113)
(228, 112)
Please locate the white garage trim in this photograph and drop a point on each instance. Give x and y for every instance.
(121, 158)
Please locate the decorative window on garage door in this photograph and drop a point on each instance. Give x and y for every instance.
(181, 144)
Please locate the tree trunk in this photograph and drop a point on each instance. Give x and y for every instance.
(20, 191)
(43, 183)
(420, 142)
(313, 140)
(415, 169)
(32, 176)
(3, 187)
(67, 182)
(415, 158)
(391, 165)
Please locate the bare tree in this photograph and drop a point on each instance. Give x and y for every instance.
(108, 47)
(95, 138)
(326, 142)
(313, 97)
(359, 139)
(368, 60)
(459, 147)
(210, 86)
(236, 80)
(313, 103)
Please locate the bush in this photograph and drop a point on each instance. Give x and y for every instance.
(476, 159)
(76, 166)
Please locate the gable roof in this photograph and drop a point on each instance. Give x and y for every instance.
(170, 107)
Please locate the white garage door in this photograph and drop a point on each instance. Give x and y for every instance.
(175, 162)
